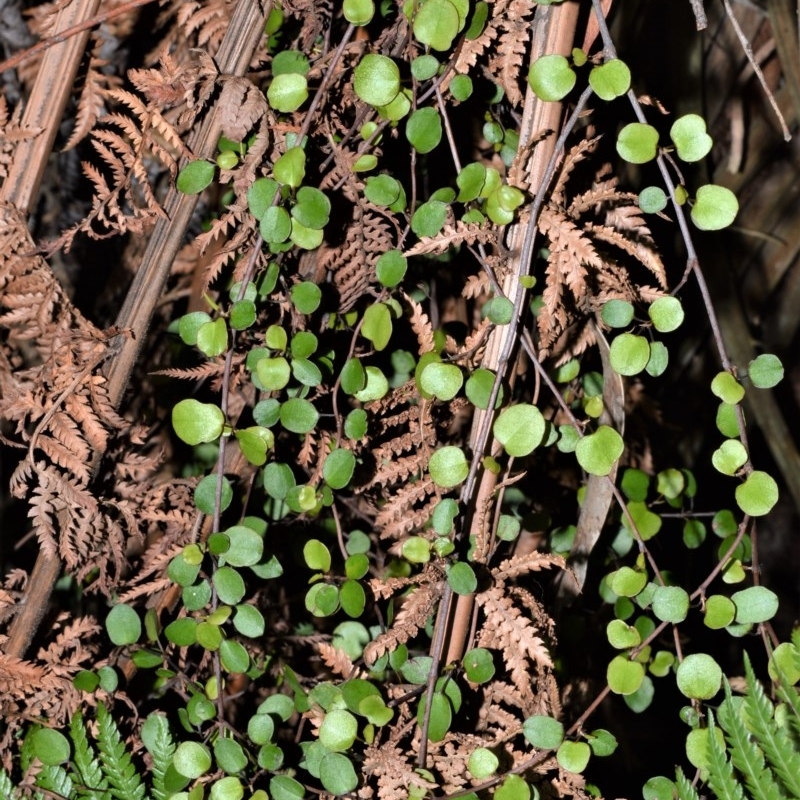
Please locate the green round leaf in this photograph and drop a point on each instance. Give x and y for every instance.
(729, 457)
(229, 585)
(377, 325)
(316, 555)
(243, 314)
(212, 338)
(670, 604)
(382, 190)
(290, 168)
(249, 621)
(765, 371)
(652, 199)
(513, 787)
(715, 208)
(727, 421)
(599, 451)
(470, 182)
(322, 600)
(610, 80)
(479, 388)
(192, 759)
(551, 77)
(624, 677)
(699, 676)
(353, 377)
(338, 468)
(637, 143)
(261, 195)
(376, 388)
(195, 177)
(123, 625)
(376, 80)
(688, 134)
(276, 225)
(312, 207)
(353, 598)
(282, 787)
(602, 742)
(448, 467)
(666, 314)
(784, 664)
(424, 67)
(479, 665)
(720, 612)
(337, 774)
(205, 494)
(355, 424)
(621, 636)
(754, 605)
(358, 12)
(390, 268)
(543, 732)
(727, 388)
(229, 755)
(442, 381)
(758, 494)
(338, 730)
(617, 313)
(500, 310)
(287, 92)
(627, 582)
(640, 700)
(424, 129)
(461, 578)
(290, 62)
(298, 415)
(246, 546)
(461, 87)
(482, 763)
(50, 747)
(190, 324)
(429, 218)
(658, 361)
(573, 756)
(629, 353)
(229, 788)
(520, 429)
(436, 24)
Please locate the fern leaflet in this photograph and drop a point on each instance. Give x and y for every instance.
(685, 789)
(91, 781)
(721, 779)
(777, 747)
(7, 789)
(123, 779)
(746, 756)
(158, 741)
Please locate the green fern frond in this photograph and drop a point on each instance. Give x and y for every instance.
(777, 747)
(746, 756)
(123, 780)
(685, 789)
(159, 743)
(721, 779)
(92, 784)
(55, 780)
(789, 695)
(8, 791)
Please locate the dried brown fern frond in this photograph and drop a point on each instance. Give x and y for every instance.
(11, 132)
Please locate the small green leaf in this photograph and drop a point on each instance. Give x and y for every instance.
(754, 605)
(261, 195)
(688, 134)
(513, 787)
(478, 665)
(699, 676)
(448, 467)
(543, 732)
(470, 182)
(229, 755)
(353, 377)
(316, 555)
(243, 314)
(610, 80)
(424, 129)
(290, 62)
(666, 313)
(729, 457)
(377, 325)
(598, 452)
(338, 730)
(482, 763)
(306, 297)
(719, 613)
(337, 774)
(500, 310)
(382, 190)
(312, 208)
(621, 636)
(623, 676)
(205, 494)
(461, 87)
(727, 388)
(298, 415)
(287, 92)
(50, 746)
(670, 604)
(376, 80)
(212, 338)
(637, 143)
(429, 218)
(715, 207)
(436, 24)
(573, 756)
(276, 225)
(229, 585)
(290, 168)
(441, 716)
(765, 371)
(376, 388)
(520, 429)
(652, 199)
(192, 759)
(758, 494)
(478, 388)
(123, 625)
(195, 177)
(461, 578)
(551, 77)
(358, 12)
(190, 324)
(629, 354)
(390, 268)
(424, 67)
(627, 582)
(617, 313)
(338, 468)
(440, 380)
